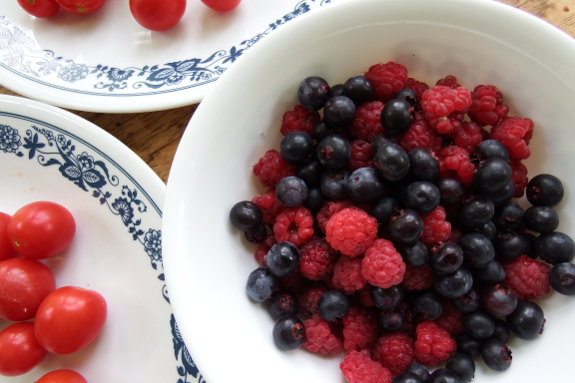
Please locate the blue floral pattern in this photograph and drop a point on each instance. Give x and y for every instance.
(20, 54)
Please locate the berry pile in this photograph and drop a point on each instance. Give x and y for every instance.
(390, 230)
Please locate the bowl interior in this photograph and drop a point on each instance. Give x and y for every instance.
(207, 261)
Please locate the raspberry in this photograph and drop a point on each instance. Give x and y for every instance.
(357, 367)
(448, 81)
(417, 86)
(387, 79)
(347, 275)
(359, 328)
(270, 205)
(319, 337)
(435, 227)
(519, 178)
(469, 136)
(351, 231)
(299, 120)
(364, 296)
(514, 133)
(527, 277)
(421, 135)
(382, 265)
(361, 155)
(433, 344)
(442, 100)
(448, 125)
(454, 162)
(309, 297)
(328, 209)
(394, 351)
(292, 282)
(417, 278)
(271, 168)
(317, 259)
(263, 248)
(450, 319)
(366, 123)
(487, 105)
(294, 224)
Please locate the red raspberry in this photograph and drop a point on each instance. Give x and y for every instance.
(435, 228)
(451, 319)
(433, 344)
(347, 275)
(487, 105)
(387, 79)
(292, 282)
(299, 120)
(319, 337)
(394, 351)
(309, 297)
(417, 86)
(366, 123)
(469, 136)
(455, 162)
(271, 168)
(263, 248)
(421, 135)
(359, 328)
(448, 125)
(269, 204)
(382, 265)
(528, 278)
(519, 178)
(449, 81)
(294, 224)
(417, 278)
(514, 133)
(361, 155)
(442, 100)
(317, 259)
(328, 209)
(364, 296)
(351, 231)
(357, 367)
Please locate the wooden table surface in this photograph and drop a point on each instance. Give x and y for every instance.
(155, 136)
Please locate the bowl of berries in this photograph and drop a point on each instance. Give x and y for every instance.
(380, 192)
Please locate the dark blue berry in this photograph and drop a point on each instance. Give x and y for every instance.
(321, 130)
(333, 305)
(333, 184)
(454, 284)
(261, 285)
(422, 196)
(445, 258)
(501, 331)
(476, 212)
(470, 346)
(313, 93)
(541, 219)
(387, 299)
(383, 209)
(283, 258)
(503, 196)
(405, 226)
(413, 254)
(283, 303)
(491, 175)
(315, 199)
(489, 230)
(407, 377)
(310, 172)
(397, 116)
(358, 88)
(478, 325)
(288, 332)
(509, 217)
(392, 160)
(408, 95)
(526, 321)
(491, 149)
(381, 139)
(333, 152)
(423, 164)
(544, 190)
(296, 147)
(339, 111)
(468, 302)
(510, 244)
(419, 370)
(562, 278)
(391, 320)
(498, 299)
(451, 191)
(427, 306)
(291, 191)
(462, 365)
(443, 375)
(258, 235)
(529, 244)
(364, 186)
(554, 248)
(337, 90)
(246, 216)
(477, 249)
(490, 274)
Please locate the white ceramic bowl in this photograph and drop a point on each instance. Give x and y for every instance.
(207, 263)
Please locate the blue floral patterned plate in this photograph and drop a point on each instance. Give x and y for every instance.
(106, 62)
(50, 154)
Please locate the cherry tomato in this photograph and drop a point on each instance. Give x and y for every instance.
(222, 5)
(40, 8)
(41, 229)
(158, 15)
(24, 283)
(81, 7)
(20, 352)
(6, 249)
(62, 376)
(69, 319)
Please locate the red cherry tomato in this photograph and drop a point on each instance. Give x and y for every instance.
(222, 5)
(40, 8)
(158, 15)
(62, 376)
(6, 249)
(69, 319)
(24, 283)
(81, 7)
(20, 352)
(41, 229)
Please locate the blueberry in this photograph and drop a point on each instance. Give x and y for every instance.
(337, 90)
(490, 274)
(477, 249)
(541, 219)
(496, 355)
(509, 217)
(310, 172)
(462, 365)
(501, 331)
(478, 325)
(391, 320)
(387, 299)
(529, 243)
(413, 254)
(443, 375)
(283, 258)
(291, 191)
(407, 377)
(544, 189)
(397, 116)
(554, 248)
(427, 306)
(423, 164)
(422, 196)
(489, 230)
(313, 93)
(364, 186)
(246, 216)
(258, 235)
(562, 278)
(405, 226)
(333, 184)
(408, 95)
(476, 212)
(296, 147)
(469, 345)
(419, 370)
(454, 284)
(315, 199)
(383, 209)
(445, 258)
(381, 139)
(283, 303)
(510, 244)
(468, 302)
(491, 175)
(321, 130)
(451, 191)
(392, 160)
(339, 111)
(491, 149)
(333, 151)
(358, 88)
(499, 299)
(526, 321)
(333, 305)
(261, 285)
(502, 196)
(288, 332)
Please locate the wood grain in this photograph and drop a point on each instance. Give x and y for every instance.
(155, 136)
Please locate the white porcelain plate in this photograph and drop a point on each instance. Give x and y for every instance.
(107, 62)
(50, 154)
